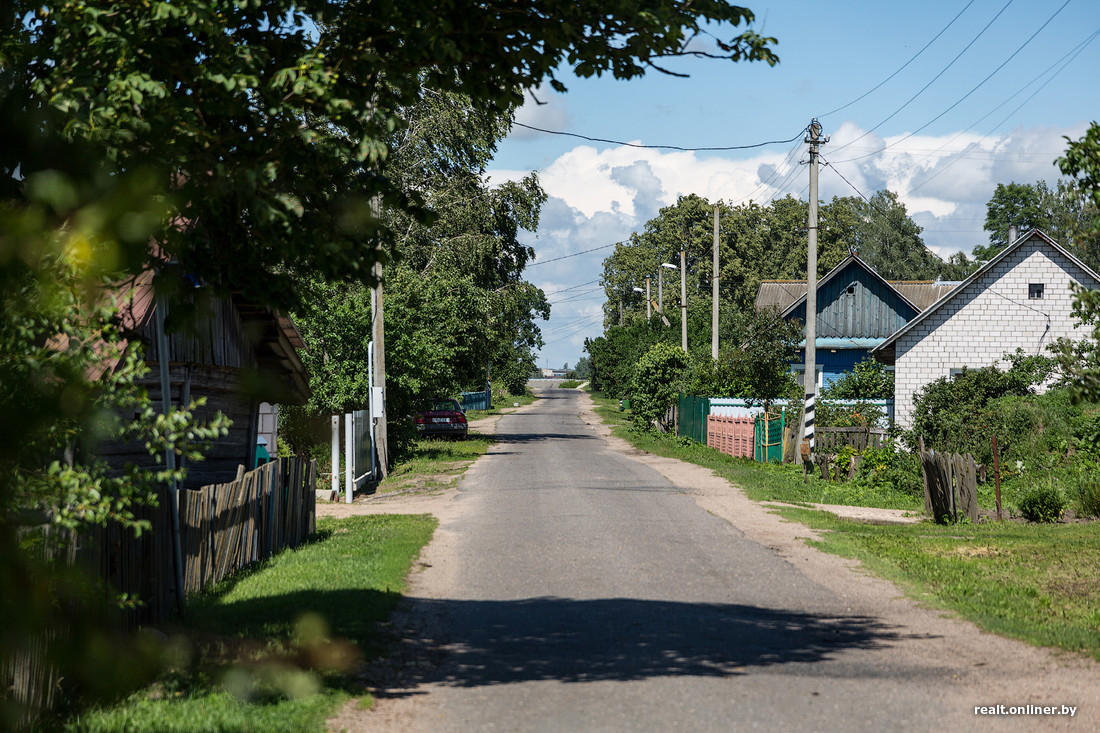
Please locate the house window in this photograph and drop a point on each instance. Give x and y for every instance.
(800, 374)
(1035, 291)
(955, 371)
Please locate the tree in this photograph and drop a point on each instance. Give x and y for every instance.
(1079, 360)
(755, 361)
(868, 380)
(888, 240)
(273, 120)
(1064, 214)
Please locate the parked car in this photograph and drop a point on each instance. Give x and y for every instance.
(441, 416)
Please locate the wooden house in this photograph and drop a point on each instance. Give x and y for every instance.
(857, 310)
(1020, 299)
(235, 354)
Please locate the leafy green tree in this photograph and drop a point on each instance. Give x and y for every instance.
(755, 361)
(583, 368)
(1080, 359)
(657, 380)
(868, 380)
(274, 120)
(889, 241)
(1082, 163)
(1063, 213)
(67, 383)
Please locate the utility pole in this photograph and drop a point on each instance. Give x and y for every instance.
(648, 302)
(378, 335)
(683, 299)
(810, 375)
(714, 293)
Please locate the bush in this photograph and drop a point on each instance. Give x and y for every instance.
(1043, 503)
(1088, 497)
(657, 380)
(890, 467)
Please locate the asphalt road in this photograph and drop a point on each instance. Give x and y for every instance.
(591, 595)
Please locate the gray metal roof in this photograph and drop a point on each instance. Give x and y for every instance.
(782, 294)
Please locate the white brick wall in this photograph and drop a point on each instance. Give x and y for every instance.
(988, 318)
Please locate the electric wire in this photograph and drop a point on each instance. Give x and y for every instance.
(933, 81)
(575, 254)
(964, 97)
(903, 66)
(661, 147)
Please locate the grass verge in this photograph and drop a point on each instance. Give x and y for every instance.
(762, 482)
(268, 649)
(1039, 583)
(434, 464)
(503, 404)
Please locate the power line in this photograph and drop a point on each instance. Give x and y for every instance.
(660, 147)
(933, 81)
(978, 86)
(575, 254)
(902, 67)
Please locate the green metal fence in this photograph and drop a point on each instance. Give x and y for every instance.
(770, 428)
(691, 413)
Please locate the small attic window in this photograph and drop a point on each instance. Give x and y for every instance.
(852, 289)
(1035, 291)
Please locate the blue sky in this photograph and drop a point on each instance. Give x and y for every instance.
(988, 101)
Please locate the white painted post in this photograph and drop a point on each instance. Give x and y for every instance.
(335, 454)
(349, 456)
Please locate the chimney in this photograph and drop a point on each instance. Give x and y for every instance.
(1011, 233)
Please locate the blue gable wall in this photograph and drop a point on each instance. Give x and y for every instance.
(873, 310)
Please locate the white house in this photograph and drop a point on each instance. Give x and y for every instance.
(1019, 299)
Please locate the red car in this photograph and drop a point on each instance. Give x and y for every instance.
(441, 417)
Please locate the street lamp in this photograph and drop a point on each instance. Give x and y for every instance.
(639, 290)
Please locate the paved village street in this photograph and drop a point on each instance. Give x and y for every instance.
(573, 587)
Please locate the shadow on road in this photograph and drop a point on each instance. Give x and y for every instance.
(620, 639)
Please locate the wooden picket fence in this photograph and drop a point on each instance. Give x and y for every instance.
(833, 440)
(734, 436)
(226, 527)
(950, 486)
(223, 527)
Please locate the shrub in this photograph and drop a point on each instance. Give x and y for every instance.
(1088, 497)
(657, 380)
(1043, 503)
(889, 467)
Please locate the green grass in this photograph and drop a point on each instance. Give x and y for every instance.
(1036, 583)
(762, 482)
(434, 464)
(266, 650)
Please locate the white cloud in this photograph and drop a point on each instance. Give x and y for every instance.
(598, 197)
(542, 107)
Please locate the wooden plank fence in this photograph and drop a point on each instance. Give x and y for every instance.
(832, 440)
(224, 528)
(734, 436)
(950, 486)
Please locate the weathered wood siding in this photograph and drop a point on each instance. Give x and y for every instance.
(870, 310)
(219, 385)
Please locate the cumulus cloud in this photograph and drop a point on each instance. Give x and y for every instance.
(598, 197)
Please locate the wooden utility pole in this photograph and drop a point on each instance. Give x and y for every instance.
(714, 293)
(809, 378)
(683, 298)
(378, 335)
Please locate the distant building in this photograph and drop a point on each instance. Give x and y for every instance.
(857, 309)
(1019, 299)
(554, 373)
